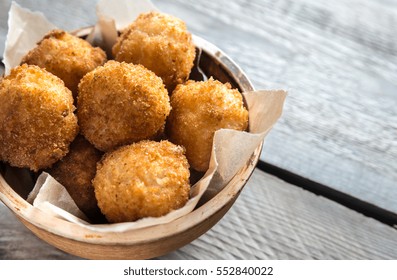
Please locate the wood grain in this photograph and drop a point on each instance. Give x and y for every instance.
(275, 220)
(17, 242)
(338, 61)
(270, 220)
(68, 15)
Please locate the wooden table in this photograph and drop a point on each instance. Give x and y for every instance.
(326, 186)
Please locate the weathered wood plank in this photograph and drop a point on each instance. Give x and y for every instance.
(17, 242)
(275, 220)
(270, 220)
(69, 15)
(338, 61)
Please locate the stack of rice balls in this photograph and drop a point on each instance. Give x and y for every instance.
(121, 135)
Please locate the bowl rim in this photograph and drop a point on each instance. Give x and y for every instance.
(60, 227)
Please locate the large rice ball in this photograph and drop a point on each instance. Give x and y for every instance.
(161, 43)
(145, 179)
(198, 110)
(65, 56)
(121, 103)
(37, 122)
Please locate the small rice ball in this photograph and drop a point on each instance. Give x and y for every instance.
(37, 123)
(145, 179)
(76, 171)
(198, 110)
(65, 56)
(161, 43)
(121, 103)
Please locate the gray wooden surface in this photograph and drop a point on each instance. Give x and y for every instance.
(270, 220)
(338, 60)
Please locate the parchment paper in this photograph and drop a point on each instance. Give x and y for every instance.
(25, 29)
(113, 17)
(231, 149)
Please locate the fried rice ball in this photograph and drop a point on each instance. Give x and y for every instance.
(37, 123)
(121, 103)
(65, 56)
(76, 171)
(145, 179)
(198, 110)
(161, 43)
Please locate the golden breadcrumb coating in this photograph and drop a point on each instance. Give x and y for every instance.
(121, 103)
(65, 56)
(161, 43)
(198, 110)
(145, 179)
(75, 172)
(37, 122)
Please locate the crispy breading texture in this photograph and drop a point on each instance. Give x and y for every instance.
(76, 171)
(161, 43)
(65, 56)
(37, 122)
(198, 110)
(145, 179)
(121, 103)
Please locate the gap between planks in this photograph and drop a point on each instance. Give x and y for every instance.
(270, 220)
(344, 199)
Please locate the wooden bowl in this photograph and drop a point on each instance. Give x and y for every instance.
(153, 241)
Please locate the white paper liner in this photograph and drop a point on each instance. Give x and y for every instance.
(25, 29)
(48, 192)
(231, 150)
(113, 17)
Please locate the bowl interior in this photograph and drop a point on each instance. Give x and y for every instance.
(144, 242)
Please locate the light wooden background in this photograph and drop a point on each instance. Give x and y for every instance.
(270, 220)
(338, 60)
